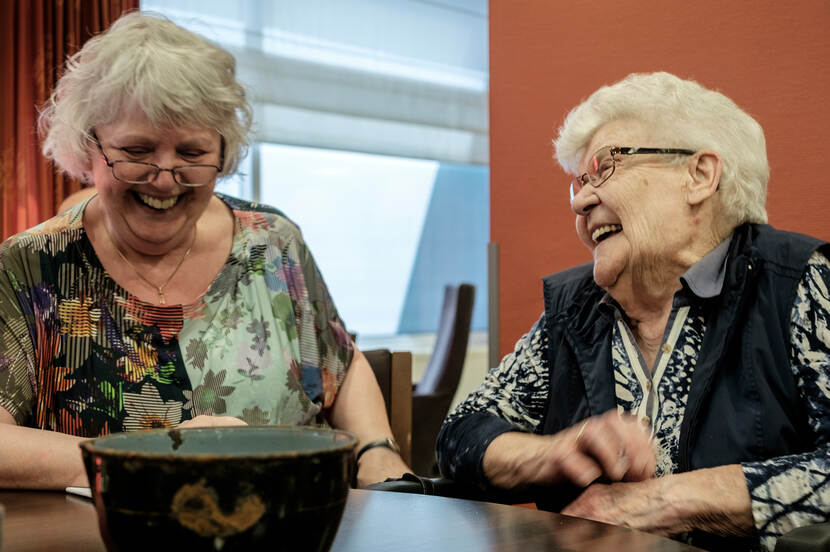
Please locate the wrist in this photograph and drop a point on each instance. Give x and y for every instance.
(715, 500)
(505, 463)
(387, 443)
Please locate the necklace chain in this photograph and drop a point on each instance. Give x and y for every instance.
(159, 289)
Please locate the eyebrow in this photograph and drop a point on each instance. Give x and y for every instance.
(188, 142)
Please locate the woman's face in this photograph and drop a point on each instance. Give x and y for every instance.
(156, 217)
(642, 205)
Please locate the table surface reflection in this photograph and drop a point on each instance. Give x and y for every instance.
(372, 521)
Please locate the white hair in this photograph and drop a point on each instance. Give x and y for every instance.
(173, 76)
(682, 114)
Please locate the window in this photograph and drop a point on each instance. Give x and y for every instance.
(371, 134)
(387, 232)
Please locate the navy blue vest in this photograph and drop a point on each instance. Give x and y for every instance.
(743, 404)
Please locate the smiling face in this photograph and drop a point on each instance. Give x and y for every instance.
(153, 218)
(635, 221)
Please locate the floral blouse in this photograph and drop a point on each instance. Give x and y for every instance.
(80, 355)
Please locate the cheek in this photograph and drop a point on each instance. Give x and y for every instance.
(582, 231)
(101, 176)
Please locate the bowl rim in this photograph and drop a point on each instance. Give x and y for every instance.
(96, 448)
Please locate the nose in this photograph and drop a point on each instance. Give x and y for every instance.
(584, 200)
(165, 160)
(165, 180)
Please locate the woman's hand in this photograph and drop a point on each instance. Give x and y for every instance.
(714, 500)
(212, 421)
(611, 446)
(379, 464)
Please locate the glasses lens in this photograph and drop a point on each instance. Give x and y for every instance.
(195, 175)
(600, 167)
(133, 172)
(576, 185)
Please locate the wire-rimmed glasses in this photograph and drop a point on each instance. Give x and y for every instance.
(604, 162)
(139, 172)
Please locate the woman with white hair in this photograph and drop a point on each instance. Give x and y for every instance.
(679, 383)
(157, 302)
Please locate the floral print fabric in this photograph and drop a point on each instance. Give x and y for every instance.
(80, 355)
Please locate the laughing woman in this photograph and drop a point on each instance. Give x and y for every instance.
(157, 302)
(679, 383)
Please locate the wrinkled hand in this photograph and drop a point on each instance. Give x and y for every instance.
(212, 421)
(639, 505)
(714, 500)
(609, 445)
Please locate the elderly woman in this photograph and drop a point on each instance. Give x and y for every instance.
(158, 303)
(680, 383)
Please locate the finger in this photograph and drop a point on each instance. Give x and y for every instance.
(581, 506)
(604, 444)
(643, 466)
(637, 445)
(579, 469)
(640, 450)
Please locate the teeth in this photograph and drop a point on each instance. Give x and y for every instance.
(602, 230)
(156, 203)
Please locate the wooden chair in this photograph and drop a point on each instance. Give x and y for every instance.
(394, 374)
(433, 394)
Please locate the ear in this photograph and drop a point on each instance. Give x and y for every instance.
(704, 176)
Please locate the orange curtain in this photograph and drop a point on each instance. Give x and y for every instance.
(36, 36)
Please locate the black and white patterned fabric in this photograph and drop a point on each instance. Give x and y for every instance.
(786, 492)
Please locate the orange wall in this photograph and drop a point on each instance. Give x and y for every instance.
(772, 58)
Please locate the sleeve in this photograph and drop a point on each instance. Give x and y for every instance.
(17, 364)
(326, 348)
(792, 491)
(512, 398)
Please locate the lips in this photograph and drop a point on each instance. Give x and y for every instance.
(605, 231)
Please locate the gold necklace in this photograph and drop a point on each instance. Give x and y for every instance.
(159, 289)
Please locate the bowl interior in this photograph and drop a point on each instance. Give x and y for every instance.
(225, 441)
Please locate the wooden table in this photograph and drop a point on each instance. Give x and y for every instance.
(372, 521)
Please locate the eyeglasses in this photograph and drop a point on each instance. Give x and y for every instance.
(138, 172)
(604, 162)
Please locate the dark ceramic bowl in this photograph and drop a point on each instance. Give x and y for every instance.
(229, 488)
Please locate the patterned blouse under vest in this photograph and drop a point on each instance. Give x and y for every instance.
(785, 492)
(80, 355)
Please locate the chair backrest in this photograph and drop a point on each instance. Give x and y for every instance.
(434, 392)
(443, 371)
(394, 374)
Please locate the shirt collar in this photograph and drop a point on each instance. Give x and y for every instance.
(705, 277)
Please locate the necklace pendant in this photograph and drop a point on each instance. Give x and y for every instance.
(161, 297)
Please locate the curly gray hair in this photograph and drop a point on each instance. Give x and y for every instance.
(681, 114)
(145, 61)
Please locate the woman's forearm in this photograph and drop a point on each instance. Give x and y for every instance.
(606, 445)
(37, 459)
(716, 500)
(359, 408)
